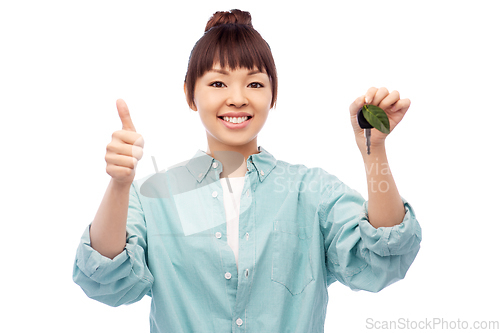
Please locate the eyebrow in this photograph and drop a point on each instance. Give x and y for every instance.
(221, 71)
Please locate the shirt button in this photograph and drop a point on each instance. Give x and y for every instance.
(227, 275)
(199, 176)
(262, 172)
(215, 164)
(218, 234)
(247, 235)
(214, 194)
(239, 322)
(248, 193)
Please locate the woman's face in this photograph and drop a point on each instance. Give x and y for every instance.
(222, 91)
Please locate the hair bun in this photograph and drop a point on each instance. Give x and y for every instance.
(234, 16)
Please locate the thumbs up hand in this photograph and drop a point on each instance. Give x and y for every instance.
(125, 149)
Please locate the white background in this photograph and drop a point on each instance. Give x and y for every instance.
(63, 64)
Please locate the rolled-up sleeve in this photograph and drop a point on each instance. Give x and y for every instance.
(125, 279)
(357, 254)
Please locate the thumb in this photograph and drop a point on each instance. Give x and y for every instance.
(124, 114)
(356, 105)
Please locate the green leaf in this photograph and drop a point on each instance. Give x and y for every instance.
(377, 118)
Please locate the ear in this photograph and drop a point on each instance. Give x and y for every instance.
(193, 106)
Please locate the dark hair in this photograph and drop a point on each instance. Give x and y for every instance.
(230, 39)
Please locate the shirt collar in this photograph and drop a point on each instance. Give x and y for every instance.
(201, 162)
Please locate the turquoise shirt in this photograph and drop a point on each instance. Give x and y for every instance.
(300, 230)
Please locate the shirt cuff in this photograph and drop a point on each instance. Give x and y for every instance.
(96, 266)
(400, 239)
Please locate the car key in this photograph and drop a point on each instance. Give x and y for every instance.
(363, 123)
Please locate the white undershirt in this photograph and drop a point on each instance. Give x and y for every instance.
(232, 208)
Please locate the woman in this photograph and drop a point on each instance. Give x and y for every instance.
(234, 239)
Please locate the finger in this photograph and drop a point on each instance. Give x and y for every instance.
(356, 105)
(124, 114)
(129, 137)
(402, 104)
(125, 150)
(379, 96)
(389, 100)
(122, 160)
(370, 95)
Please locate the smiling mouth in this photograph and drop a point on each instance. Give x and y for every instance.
(248, 118)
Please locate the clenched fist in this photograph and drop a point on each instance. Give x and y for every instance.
(125, 149)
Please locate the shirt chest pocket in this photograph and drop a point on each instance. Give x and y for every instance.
(291, 262)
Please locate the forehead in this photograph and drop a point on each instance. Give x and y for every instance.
(217, 68)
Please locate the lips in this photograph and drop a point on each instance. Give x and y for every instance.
(236, 126)
(236, 114)
(245, 115)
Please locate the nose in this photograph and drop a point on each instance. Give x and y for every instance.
(237, 97)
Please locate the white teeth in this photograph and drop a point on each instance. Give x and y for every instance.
(235, 120)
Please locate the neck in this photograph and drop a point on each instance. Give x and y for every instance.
(233, 158)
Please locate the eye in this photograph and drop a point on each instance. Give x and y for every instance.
(256, 85)
(217, 84)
